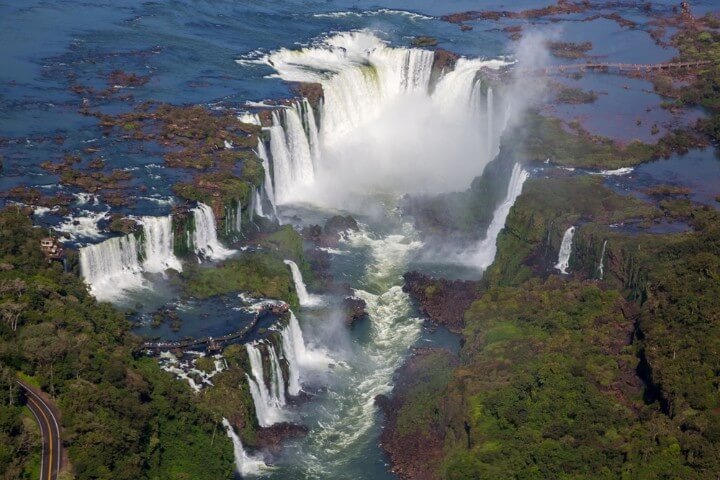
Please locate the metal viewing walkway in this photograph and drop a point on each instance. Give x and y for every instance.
(216, 342)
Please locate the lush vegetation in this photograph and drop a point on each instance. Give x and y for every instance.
(122, 417)
(260, 274)
(547, 138)
(583, 378)
(697, 41)
(534, 229)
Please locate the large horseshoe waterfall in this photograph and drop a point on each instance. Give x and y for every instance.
(380, 115)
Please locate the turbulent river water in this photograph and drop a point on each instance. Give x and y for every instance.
(388, 125)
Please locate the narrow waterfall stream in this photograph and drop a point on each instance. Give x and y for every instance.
(565, 251)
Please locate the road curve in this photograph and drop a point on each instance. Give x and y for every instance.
(50, 430)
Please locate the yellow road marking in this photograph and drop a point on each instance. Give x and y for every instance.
(49, 429)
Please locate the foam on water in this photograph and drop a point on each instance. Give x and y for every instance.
(345, 428)
(83, 226)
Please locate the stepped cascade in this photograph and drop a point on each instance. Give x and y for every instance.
(269, 389)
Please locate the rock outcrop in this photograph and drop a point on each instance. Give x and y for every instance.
(443, 301)
(413, 438)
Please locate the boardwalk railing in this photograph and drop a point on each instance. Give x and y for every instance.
(616, 67)
(156, 347)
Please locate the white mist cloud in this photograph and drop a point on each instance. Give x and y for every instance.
(381, 129)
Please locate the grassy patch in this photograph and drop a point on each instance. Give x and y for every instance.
(259, 274)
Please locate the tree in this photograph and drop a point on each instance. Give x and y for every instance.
(10, 312)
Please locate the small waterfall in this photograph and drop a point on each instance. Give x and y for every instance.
(205, 238)
(298, 356)
(485, 252)
(303, 296)
(311, 128)
(565, 251)
(490, 115)
(298, 146)
(282, 170)
(158, 245)
(258, 202)
(238, 218)
(246, 465)
(269, 190)
(111, 266)
(252, 207)
(233, 219)
(293, 160)
(601, 267)
(268, 403)
(476, 100)
(278, 380)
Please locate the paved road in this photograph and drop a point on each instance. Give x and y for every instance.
(50, 429)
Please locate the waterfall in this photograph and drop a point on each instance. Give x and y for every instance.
(258, 202)
(476, 101)
(205, 238)
(282, 175)
(299, 356)
(298, 145)
(238, 218)
(367, 84)
(111, 267)
(565, 251)
(485, 252)
(278, 379)
(246, 465)
(490, 114)
(158, 245)
(268, 403)
(233, 219)
(311, 128)
(269, 191)
(601, 267)
(252, 206)
(293, 161)
(303, 296)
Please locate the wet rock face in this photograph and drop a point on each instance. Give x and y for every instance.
(330, 235)
(424, 41)
(312, 91)
(443, 301)
(339, 224)
(271, 438)
(443, 60)
(124, 225)
(355, 309)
